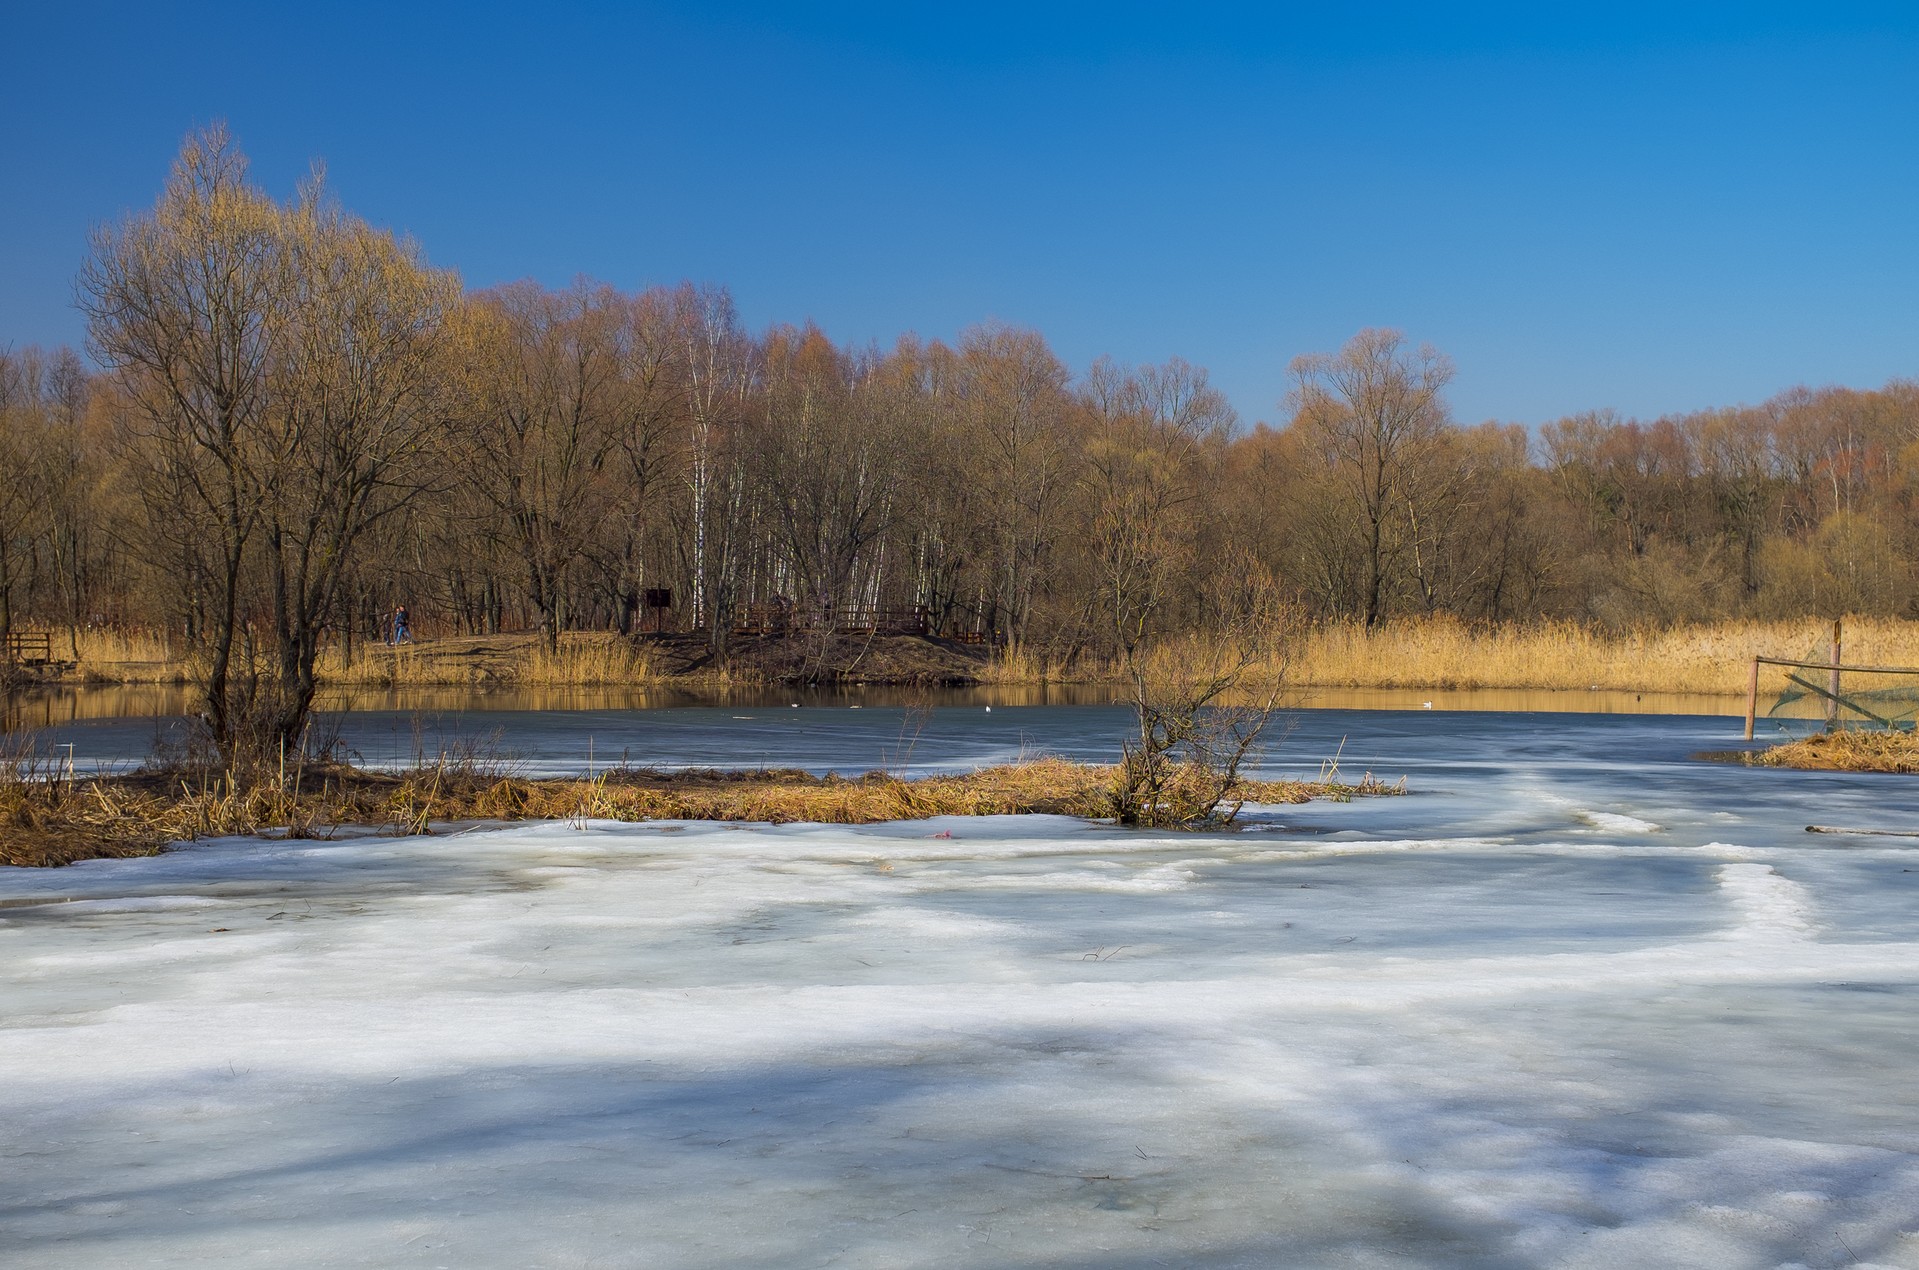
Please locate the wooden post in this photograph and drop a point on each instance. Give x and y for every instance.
(1752, 698)
(1832, 702)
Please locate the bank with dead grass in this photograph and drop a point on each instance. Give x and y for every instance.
(1437, 653)
(48, 819)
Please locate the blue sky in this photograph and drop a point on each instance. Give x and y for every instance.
(1652, 208)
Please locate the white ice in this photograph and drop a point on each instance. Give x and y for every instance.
(1033, 1043)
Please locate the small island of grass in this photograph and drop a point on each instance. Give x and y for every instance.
(54, 821)
(1843, 751)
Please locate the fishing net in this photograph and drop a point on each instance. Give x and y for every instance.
(1865, 698)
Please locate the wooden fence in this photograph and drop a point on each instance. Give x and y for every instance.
(784, 619)
(778, 620)
(1829, 692)
(27, 648)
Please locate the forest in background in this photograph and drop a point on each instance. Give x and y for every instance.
(299, 425)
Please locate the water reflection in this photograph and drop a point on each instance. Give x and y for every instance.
(43, 708)
(36, 708)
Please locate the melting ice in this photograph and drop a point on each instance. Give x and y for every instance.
(1548, 1010)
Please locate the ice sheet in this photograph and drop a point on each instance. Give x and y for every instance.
(1525, 1037)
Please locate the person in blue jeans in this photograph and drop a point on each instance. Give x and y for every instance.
(402, 634)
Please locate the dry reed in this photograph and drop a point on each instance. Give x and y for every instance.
(1432, 653)
(1707, 658)
(588, 663)
(1021, 663)
(46, 819)
(583, 659)
(1444, 653)
(1848, 751)
(109, 656)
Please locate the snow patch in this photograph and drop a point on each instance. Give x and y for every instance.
(1613, 822)
(1770, 905)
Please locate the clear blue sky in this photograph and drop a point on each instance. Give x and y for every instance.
(1652, 208)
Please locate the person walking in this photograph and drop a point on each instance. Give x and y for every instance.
(402, 634)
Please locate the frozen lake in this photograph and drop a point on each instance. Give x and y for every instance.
(1577, 1001)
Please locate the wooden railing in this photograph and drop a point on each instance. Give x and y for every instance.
(776, 620)
(784, 619)
(27, 648)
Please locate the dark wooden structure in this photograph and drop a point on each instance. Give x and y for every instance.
(27, 648)
(657, 601)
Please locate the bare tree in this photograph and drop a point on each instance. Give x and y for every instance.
(187, 304)
(831, 458)
(547, 428)
(649, 428)
(1153, 439)
(23, 492)
(1201, 710)
(362, 420)
(1016, 407)
(274, 364)
(718, 368)
(1375, 410)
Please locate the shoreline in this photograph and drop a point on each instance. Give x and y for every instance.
(1428, 656)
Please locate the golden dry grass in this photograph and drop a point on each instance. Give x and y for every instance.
(49, 821)
(1715, 657)
(1443, 653)
(1435, 653)
(584, 659)
(1020, 663)
(116, 656)
(1851, 751)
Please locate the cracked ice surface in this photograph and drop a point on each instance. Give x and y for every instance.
(1630, 1022)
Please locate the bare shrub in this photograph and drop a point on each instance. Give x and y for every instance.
(1201, 708)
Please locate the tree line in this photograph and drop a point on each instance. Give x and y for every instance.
(297, 424)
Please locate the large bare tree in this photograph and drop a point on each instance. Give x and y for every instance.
(276, 364)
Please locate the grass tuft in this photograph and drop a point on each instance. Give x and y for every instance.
(1851, 751)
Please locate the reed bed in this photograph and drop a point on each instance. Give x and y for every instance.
(1431, 653)
(1021, 663)
(48, 818)
(588, 663)
(1443, 653)
(1715, 657)
(584, 659)
(110, 656)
